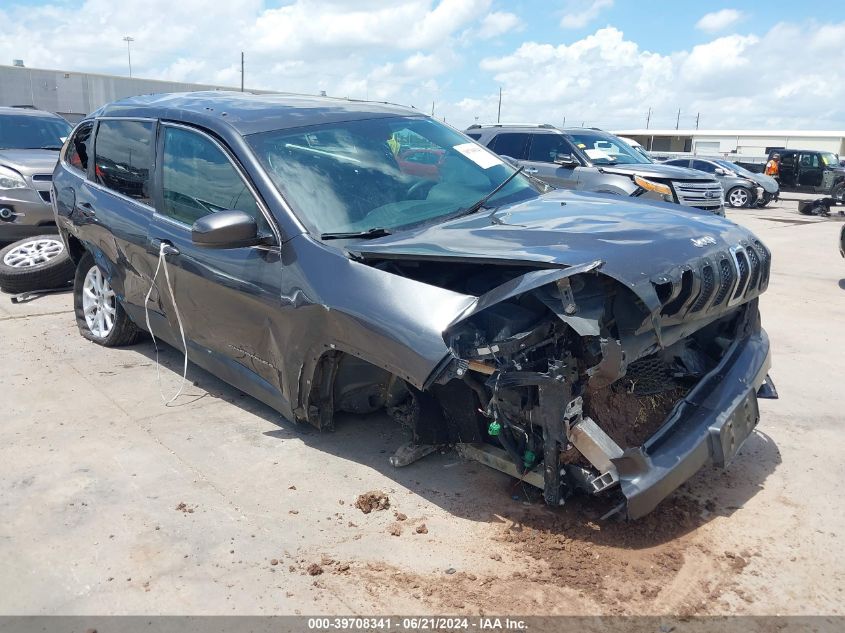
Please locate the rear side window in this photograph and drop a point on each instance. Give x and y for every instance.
(787, 160)
(678, 163)
(78, 148)
(474, 136)
(198, 179)
(511, 144)
(546, 147)
(124, 157)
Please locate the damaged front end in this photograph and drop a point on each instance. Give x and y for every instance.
(577, 382)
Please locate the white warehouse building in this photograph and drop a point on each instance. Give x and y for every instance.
(736, 143)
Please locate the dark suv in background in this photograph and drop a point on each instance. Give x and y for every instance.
(30, 141)
(810, 171)
(592, 160)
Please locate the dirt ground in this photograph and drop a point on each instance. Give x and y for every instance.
(113, 503)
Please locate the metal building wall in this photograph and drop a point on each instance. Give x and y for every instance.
(73, 95)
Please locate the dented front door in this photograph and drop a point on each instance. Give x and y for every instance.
(228, 299)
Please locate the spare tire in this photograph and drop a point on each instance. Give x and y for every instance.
(35, 263)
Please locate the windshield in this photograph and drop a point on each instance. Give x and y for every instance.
(21, 131)
(385, 173)
(606, 149)
(830, 159)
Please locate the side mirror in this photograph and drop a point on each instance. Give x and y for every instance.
(566, 160)
(227, 229)
(720, 172)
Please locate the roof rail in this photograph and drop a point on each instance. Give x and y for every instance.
(476, 126)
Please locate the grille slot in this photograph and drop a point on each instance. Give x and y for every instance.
(43, 177)
(708, 285)
(683, 294)
(765, 265)
(742, 266)
(726, 280)
(45, 195)
(754, 261)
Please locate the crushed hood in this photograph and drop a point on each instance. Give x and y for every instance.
(637, 242)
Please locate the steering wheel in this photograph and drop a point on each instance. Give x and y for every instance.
(418, 185)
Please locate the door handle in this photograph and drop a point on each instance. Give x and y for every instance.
(169, 249)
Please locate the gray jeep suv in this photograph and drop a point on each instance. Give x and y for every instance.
(592, 160)
(30, 141)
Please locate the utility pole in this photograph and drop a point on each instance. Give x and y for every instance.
(696, 120)
(499, 115)
(678, 120)
(242, 71)
(432, 107)
(648, 118)
(564, 122)
(128, 39)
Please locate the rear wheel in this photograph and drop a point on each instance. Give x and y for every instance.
(738, 197)
(35, 263)
(99, 315)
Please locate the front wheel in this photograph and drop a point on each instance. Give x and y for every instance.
(838, 193)
(99, 315)
(738, 197)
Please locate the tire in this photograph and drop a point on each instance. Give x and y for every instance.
(838, 193)
(35, 263)
(99, 315)
(738, 197)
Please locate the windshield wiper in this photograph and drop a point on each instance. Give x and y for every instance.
(483, 201)
(374, 232)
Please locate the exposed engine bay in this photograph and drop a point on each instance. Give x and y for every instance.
(562, 373)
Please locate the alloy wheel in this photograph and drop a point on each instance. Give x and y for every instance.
(98, 303)
(738, 198)
(33, 253)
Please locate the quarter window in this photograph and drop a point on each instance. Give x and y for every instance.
(198, 179)
(510, 144)
(78, 148)
(124, 157)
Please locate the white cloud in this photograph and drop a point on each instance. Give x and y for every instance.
(497, 23)
(577, 16)
(719, 20)
(607, 80)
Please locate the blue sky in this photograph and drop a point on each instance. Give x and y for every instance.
(599, 62)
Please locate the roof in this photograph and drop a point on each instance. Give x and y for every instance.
(250, 113)
(27, 111)
(763, 133)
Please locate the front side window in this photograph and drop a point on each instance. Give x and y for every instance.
(809, 160)
(349, 177)
(787, 160)
(197, 178)
(511, 144)
(124, 157)
(26, 131)
(78, 148)
(545, 147)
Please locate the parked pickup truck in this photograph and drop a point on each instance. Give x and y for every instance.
(811, 171)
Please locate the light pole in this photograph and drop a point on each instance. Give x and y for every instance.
(128, 39)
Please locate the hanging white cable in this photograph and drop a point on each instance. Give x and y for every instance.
(162, 263)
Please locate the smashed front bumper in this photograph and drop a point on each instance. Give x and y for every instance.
(707, 427)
